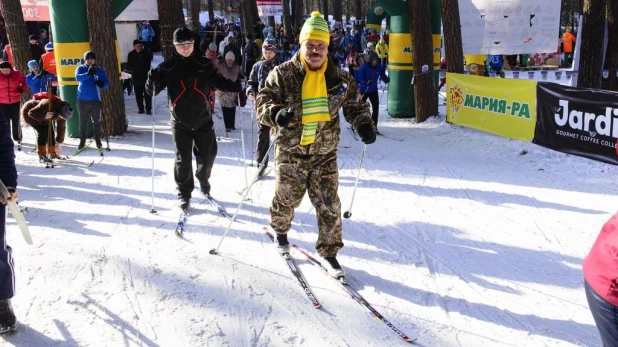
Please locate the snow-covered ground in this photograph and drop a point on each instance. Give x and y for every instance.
(458, 237)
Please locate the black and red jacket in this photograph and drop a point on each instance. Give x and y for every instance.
(189, 82)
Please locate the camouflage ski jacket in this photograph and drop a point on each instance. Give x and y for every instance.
(283, 90)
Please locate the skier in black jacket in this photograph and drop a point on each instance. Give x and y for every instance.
(189, 77)
(138, 63)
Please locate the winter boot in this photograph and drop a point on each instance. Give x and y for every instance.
(335, 269)
(205, 188)
(44, 159)
(283, 246)
(8, 322)
(19, 145)
(98, 142)
(82, 144)
(262, 171)
(184, 203)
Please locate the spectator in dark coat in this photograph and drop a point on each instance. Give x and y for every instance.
(138, 63)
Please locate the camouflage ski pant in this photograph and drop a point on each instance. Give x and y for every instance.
(319, 176)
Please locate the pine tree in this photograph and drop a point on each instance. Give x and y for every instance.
(589, 75)
(17, 32)
(102, 41)
(170, 19)
(452, 36)
(422, 48)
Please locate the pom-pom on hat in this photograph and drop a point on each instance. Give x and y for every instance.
(315, 28)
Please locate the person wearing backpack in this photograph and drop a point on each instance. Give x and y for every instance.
(251, 53)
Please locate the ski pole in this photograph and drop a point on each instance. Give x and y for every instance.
(242, 141)
(215, 251)
(152, 210)
(252, 128)
(348, 213)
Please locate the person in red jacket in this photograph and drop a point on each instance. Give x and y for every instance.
(12, 85)
(601, 282)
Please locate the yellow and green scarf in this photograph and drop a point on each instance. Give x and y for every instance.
(314, 102)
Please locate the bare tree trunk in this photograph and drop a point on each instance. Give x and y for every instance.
(422, 48)
(452, 36)
(298, 15)
(348, 12)
(211, 11)
(170, 19)
(589, 75)
(102, 40)
(337, 15)
(325, 9)
(17, 32)
(287, 20)
(195, 14)
(359, 10)
(611, 59)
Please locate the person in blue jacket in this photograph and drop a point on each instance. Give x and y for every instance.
(37, 79)
(146, 35)
(91, 78)
(8, 175)
(367, 78)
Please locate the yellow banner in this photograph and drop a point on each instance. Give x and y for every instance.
(400, 51)
(504, 107)
(69, 56)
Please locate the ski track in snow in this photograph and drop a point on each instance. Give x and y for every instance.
(456, 237)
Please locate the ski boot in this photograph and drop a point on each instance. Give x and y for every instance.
(335, 269)
(8, 322)
(283, 246)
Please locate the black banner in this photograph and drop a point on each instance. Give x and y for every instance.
(577, 121)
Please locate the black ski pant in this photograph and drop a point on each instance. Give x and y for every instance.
(141, 96)
(203, 143)
(7, 266)
(12, 114)
(263, 143)
(42, 134)
(375, 105)
(229, 117)
(87, 110)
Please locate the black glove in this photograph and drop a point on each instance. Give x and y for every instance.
(370, 82)
(41, 73)
(237, 87)
(387, 79)
(283, 117)
(154, 75)
(367, 133)
(92, 70)
(100, 83)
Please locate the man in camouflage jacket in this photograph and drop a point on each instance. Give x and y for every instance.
(312, 167)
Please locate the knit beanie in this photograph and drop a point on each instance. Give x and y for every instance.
(89, 55)
(5, 65)
(32, 63)
(270, 45)
(230, 56)
(66, 111)
(183, 36)
(212, 47)
(315, 28)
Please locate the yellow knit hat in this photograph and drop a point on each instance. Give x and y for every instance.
(315, 28)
